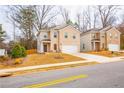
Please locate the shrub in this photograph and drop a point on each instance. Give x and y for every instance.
(23, 52)
(17, 61)
(4, 58)
(18, 51)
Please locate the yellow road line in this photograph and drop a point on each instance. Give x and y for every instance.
(57, 81)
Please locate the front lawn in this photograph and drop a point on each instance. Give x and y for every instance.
(40, 59)
(106, 53)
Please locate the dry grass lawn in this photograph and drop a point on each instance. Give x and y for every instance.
(53, 68)
(106, 53)
(40, 59)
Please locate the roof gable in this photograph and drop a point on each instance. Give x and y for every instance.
(59, 27)
(71, 27)
(114, 28)
(121, 29)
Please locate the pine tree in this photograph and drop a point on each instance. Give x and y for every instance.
(2, 34)
(69, 22)
(24, 17)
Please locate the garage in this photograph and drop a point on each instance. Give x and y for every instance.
(69, 49)
(113, 47)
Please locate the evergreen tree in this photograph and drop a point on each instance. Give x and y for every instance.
(2, 34)
(69, 22)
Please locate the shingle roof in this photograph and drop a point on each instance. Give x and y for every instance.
(90, 30)
(97, 29)
(58, 27)
(106, 28)
(121, 28)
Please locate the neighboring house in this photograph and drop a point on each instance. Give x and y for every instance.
(101, 39)
(90, 40)
(64, 38)
(121, 29)
(113, 39)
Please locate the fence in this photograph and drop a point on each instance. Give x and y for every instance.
(31, 51)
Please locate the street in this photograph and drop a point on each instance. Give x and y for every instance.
(107, 75)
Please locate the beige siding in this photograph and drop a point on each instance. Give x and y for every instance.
(70, 40)
(86, 40)
(60, 40)
(113, 37)
(103, 41)
(53, 40)
(40, 38)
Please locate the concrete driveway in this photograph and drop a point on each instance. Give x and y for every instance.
(97, 58)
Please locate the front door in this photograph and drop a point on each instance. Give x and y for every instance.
(45, 48)
(97, 46)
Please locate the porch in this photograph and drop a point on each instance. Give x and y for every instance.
(95, 45)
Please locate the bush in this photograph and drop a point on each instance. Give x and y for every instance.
(4, 58)
(18, 61)
(18, 51)
(23, 52)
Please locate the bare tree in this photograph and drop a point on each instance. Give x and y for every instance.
(24, 17)
(107, 14)
(95, 18)
(65, 14)
(78, 21)
(87, 19)
(45, 14)
(87, 14)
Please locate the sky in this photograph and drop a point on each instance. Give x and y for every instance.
(8, 27)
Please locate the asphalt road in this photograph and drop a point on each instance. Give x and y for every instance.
(108, 75)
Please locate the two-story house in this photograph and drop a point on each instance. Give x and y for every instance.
(101, 39)
(90, 40)
(64, 38)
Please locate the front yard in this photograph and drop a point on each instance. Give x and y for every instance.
(106, 53)
(40, 59)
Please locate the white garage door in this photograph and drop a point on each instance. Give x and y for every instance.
(69, 49)
(114, 47)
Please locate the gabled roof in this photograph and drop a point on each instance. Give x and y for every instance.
(106, 28)
(58, 27)
(121, 28)
(97, 30)
(90, 31)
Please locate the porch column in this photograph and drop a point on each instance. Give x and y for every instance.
(41, 47)
(94, 48)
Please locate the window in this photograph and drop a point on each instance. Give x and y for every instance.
(74, 36)
(103, 36)
(83, 46)
(45, 36)
(66, 35)
(55, 34)
(93, 36)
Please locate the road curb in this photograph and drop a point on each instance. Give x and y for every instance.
(42, 66)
